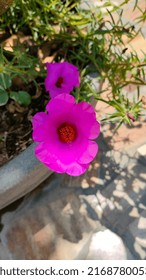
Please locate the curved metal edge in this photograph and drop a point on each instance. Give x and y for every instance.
(20, 176)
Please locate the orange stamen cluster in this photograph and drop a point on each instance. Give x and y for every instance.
(67, 133)
(59, 82)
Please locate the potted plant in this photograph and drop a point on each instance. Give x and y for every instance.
(91, 41)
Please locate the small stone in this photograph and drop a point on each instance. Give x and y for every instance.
(95, 179)
(142, 154)
(51, 223)
(141, 242)
(137, 230)
(134, 213)
(106, 245)
(142, 223)
(84, 184)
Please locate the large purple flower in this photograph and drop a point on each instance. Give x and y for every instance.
(66, 135)
(61, 77)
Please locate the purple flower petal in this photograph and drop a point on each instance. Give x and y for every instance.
(89, 154)
(76, 169)
(61, 77)
(61, 102)
(65, 134)
(84, 115)
(44, 153)
(39, 127)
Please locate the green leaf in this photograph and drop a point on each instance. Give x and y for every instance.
(21, 97)
(5, 80)
(3, 97)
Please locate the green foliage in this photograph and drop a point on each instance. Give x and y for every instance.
(126, 111)
(3, 97)
(21, 97)
(38, 16)
(19, 64)
(5, 80)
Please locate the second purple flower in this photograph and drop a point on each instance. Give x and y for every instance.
(62, 77)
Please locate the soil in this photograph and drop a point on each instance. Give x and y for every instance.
(15, 122)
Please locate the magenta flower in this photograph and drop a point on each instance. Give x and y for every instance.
(66, 135)
(61, 77)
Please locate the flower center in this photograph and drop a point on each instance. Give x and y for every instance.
(67, 132)
(59, 82)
